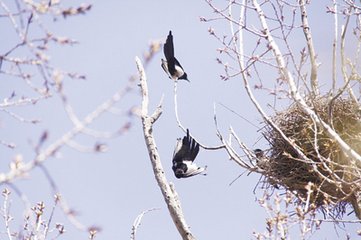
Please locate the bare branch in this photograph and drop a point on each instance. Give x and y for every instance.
(62, 141)
(295, 93)
(346, 78)
(7, 144)
(334, 47)
(6, 212)
(227, 145)
(168, 193)
(69, 213)
(311, 50)
(138, 221)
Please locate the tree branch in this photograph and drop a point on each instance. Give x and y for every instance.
(346, 78)
(137, 222)
(169, 194)
(295, 93)
(63, 140)
(311, 50)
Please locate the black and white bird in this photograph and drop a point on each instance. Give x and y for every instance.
(184, 154)
(259, 153)
(171, 65)
(263, 162)
(261, 159)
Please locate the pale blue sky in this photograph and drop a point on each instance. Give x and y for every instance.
(110, 189)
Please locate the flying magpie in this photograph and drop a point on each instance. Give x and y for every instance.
(184, 154)
(171, 65)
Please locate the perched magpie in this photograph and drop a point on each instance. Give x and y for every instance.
(261, 160)
(171, 65)
(259, 153)
(184, 154)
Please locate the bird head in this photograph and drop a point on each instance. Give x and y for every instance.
(180, 170)
(258, 152)
(184, 77)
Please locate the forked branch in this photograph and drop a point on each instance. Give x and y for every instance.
(168, 191)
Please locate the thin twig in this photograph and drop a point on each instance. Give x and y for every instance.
(6, 212)
(138, 221)
(63, 140)
(184, 129)
(69, 213)
(346, 78)
(334, 48)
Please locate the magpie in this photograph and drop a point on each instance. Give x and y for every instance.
(259, 153)
(263, 162)
(171, 65)
(185, 152)
(261, 159)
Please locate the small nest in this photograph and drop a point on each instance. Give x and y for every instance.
(329, 177)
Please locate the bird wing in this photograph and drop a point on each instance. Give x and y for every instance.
(168, 47)
(194, 147)
(181, 151)
(165, 68)
(177, 63)
(168, 50)
(178, 151)
(186, 149)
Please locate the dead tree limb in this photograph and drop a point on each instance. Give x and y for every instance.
(168, 191)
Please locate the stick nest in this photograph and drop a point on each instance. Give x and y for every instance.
(329, 177)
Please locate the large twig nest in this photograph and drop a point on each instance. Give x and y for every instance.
(331, 177)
